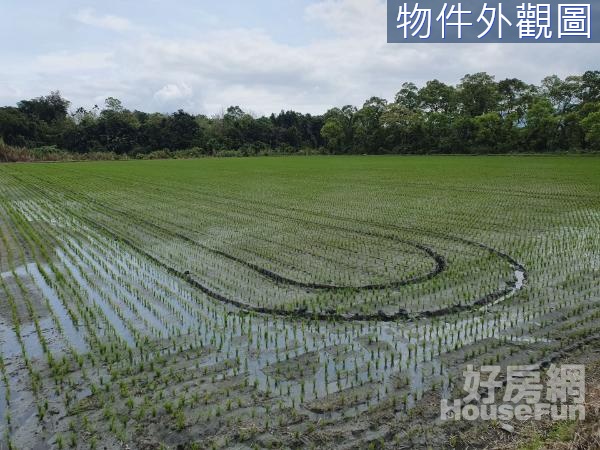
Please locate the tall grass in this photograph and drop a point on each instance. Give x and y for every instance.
(9, 153)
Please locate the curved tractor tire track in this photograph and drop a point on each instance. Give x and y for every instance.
(440, 262)
(303, 313)
(439, 266)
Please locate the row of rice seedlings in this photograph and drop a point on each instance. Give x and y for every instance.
(105, 267)
(34, 373)
(326, 297)
(62, 367)
(271, 343)
(342, 263)
(235, 216)
(59, 278)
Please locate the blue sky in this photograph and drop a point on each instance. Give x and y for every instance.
(263, 55)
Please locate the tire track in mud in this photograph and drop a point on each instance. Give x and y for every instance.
(513, 262)
(330, 315)
(264, 204)
(440, 262)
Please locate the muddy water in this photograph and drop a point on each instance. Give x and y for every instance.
(402, 350)
(519, 282)
(74, 336)
(94, 296)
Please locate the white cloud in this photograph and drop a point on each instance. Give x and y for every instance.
(351, 17)
(171, 92)
(64, 61)
(88, 16)
(249, 68)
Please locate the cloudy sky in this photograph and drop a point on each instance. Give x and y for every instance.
(263, 55)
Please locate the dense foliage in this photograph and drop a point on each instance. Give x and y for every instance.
(479, 115)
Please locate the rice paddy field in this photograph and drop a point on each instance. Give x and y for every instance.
(282, 302)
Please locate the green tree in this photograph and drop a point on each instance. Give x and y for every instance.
(339, 134)
(368, 133)
(438, 97)
(590, 86)
(183, 131)
(50, 108)
(402, 128)
(591, 126)
(514, 97)
(565, 94)
(542, 126)
(408, 96)
(117, 128)
(489, 131)
(16, 128)
(333, 133)
(478, 94)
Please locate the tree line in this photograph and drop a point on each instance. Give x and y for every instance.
(478, 115)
